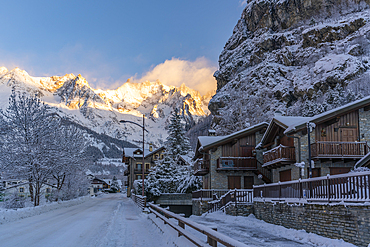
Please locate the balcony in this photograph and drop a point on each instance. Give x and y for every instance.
(342, 150)
(279, 156)
(201, 167)
(236, 164)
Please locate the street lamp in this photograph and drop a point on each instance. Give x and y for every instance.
(142, 166)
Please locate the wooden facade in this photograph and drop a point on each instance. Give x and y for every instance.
(230, 161)
(343, 128)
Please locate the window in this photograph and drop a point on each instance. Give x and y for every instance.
(156, 156)
(138, 166)
(21, 190)
(147, 167)
(138, 177)
(162, 156)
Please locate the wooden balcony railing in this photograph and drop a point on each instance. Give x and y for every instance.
(339, 149)
(281, 154)
(350, 187)
(236, 163)
(201, 167)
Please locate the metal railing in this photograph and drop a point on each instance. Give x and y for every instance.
(350, 187)
(339, 149)
(279, 154)
(236, 196)
(140, 201)
(209, 194)
(213, 237)
(236, 163)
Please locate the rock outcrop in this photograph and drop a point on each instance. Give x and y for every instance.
(282, 53)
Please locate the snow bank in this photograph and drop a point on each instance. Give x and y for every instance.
(242, 227)
(9, 215)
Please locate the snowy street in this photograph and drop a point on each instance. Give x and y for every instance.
(110, 220)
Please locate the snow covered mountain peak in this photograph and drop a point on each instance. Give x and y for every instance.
(100, 110)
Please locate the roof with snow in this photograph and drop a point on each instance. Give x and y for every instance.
(355, 105)
(131, 152)
(207, 142)
(283, 122)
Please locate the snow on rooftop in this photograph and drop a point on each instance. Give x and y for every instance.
(364, 100)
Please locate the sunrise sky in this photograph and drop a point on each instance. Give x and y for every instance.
(110, 41)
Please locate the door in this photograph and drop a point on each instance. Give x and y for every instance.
(348, 134)
(234, 182)
(285, 175)
(339, 170)
(248, 182)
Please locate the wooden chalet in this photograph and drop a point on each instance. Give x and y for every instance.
(228, 162)
(133, 158)
(279, 150)
(338, 139)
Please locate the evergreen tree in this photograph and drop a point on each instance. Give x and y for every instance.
(115, 186)
(177, 143)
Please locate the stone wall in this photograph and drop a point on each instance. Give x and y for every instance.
(239, 209)
(199, 206)
(364, 122)
(219, 179)
(294, 172)
(348, 222)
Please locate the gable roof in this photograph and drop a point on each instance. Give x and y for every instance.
(355, 105)
(207, 142)
(283, 122)
(130, 152)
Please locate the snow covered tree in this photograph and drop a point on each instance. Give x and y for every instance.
(71, 157)
(114, 186)
(163, 178)
(36, 146)
(27, 141)
(177, 142)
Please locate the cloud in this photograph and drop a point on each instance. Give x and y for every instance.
(196, 74)
(243, 2)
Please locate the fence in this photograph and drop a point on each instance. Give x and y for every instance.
(208, 194)
(140, 201)
(213, 237)
(350, 187)
(237, 196)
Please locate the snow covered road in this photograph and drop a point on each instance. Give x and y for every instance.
(110, 220)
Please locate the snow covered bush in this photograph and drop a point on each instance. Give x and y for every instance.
(13, 201)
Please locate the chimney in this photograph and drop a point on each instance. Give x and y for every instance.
(278, 113)
(150, 147)
(211, 132)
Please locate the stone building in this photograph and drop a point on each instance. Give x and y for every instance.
(228, 162)
(133, 158)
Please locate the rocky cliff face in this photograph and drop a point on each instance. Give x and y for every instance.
(283, 54)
